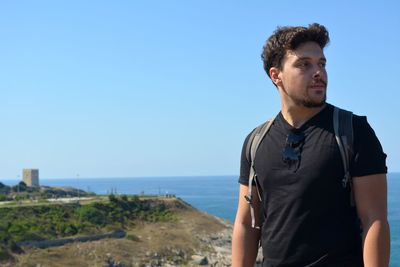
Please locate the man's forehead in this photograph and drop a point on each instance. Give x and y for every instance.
(310, 51)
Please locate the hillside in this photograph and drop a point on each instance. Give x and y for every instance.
(175, 235)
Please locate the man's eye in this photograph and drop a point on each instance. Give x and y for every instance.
(304, 64)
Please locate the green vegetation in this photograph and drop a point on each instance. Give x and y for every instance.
(63, 220)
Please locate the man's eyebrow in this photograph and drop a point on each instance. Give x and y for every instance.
(309, 58)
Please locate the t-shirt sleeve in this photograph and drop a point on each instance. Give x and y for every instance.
(368, 157)
(244, 164)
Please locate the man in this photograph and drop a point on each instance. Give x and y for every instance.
(309, 219)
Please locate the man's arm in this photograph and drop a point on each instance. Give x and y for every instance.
(370, 194)
(245, 239)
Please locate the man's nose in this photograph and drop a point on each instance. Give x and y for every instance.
(317, 71)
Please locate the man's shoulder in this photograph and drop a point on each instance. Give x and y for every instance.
(259, 127)
(359, 121)
(355, 116)
(362, 131)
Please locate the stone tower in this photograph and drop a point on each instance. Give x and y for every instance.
(30, 177)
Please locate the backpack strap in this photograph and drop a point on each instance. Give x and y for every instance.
(343, 127)
(251, 148)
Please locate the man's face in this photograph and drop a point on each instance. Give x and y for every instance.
(303, 76)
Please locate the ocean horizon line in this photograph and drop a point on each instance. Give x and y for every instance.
(146, 176)
(127, 177)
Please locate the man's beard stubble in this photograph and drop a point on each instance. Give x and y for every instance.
(308, 103)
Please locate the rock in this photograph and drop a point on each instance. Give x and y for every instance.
(179, 252)
(200, 260)
(204, 261)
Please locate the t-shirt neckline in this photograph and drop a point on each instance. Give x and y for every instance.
(306, 124)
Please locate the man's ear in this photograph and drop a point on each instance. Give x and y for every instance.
(274, 73)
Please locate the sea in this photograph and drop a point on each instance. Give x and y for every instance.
(216, 195)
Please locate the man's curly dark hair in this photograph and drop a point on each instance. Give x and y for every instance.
(289, 38)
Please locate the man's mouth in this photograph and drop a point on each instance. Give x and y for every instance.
(318, 85)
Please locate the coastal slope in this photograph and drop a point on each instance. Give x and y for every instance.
(190, 238)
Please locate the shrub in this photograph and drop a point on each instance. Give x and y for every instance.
(71, 230)
(91, 214)
(112, 198)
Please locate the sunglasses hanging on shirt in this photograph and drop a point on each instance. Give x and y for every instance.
(291, 152)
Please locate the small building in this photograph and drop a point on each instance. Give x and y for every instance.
(30, 177)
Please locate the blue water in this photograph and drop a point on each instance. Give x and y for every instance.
(217, 195)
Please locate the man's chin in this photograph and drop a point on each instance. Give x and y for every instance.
(314, 104)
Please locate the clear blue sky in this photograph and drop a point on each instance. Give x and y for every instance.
(163, 88)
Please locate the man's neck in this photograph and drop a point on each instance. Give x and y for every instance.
(296, 116)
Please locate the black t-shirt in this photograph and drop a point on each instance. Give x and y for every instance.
(309, 219)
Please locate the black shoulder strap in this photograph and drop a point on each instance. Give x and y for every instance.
(251, 148)
(254, 138)
(343, 127)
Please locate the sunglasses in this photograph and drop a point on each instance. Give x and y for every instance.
(291, 152)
